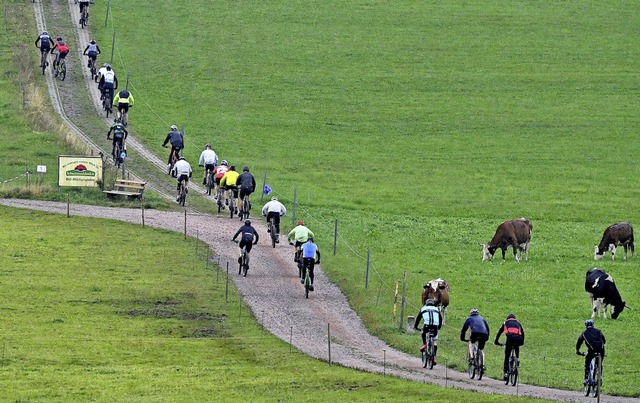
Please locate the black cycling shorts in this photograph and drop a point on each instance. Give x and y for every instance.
(481, 338)
(233, 188)
(123, 107)
(246, 242)
(183, 177)
(245, 192)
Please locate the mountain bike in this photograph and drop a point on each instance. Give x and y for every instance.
(594, 382)
(307, 281)
(183, 193)
(427, 354)
(84, 18)
(246, 206)
(513, 369)
(297, 257)
(271, 228)
(92, 68)
(243, 262)
(107, 101)
(60, 70)
(123, 116)
(476, 362)
(209, 182)
(43, 60)
(173, 158)
(119, 153)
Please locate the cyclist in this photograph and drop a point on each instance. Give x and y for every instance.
(515, 338)
(229, 182)
(273, 210)
(183, 173)
(208, 159)
(124, 101)
(479, 329)
(92, 51)
(247, 186)
(309, 253)
(120, 134)
(45, 46)
(177, 143)
(249, 237)
(594, 340)
(300, 233)
(108, 81)
(432, 318)
(63, 51)
(219, 172)
(83, 4)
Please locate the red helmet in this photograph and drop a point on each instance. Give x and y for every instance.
(300, 222)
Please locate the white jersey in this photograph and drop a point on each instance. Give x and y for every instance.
(182, 167)
(208, 157)
(109, 76)
(274, 206)
(101, 72)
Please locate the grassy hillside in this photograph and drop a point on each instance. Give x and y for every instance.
(420, 127)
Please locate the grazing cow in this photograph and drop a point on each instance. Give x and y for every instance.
(512, 233)
(614, 236)
(603, 292)
(438, 291)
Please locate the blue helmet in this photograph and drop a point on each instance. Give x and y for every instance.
(588, 323)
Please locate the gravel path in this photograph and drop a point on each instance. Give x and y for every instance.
(272, 289)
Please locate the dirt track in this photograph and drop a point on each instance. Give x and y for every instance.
(272, 289)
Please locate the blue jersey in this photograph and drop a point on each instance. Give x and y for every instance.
(309, 250)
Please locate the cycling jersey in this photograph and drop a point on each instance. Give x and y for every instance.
(430, 316)
(45, 42)
(300, 233)
(593, 338)
(220, 171)
(175, 138)
(123, 97)
(92, 47)
(61, 46)
(182, 167)
(477, 324)
(248, 233)
(247, 181)
(229, 179)
(309, 250)
(109, 77)
(274, 206)
(208, 157)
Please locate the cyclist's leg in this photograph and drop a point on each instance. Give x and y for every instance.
(178, 188)
(508, 346)
(472, 340)
(434, 330)
(587, 362)
(240, 201)
(312, 263)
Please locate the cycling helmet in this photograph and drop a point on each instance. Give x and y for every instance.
(181, 159)
(274, 198)
(474, 311)
(59, 38)
(207, 145)
(247, 222)
(232, 167)
(429, 302)
(108, 68)
(300, 222)
(93, 42)
(174, 127)
(224, 162)
(116, 120)
(45, 33)
(588, 323)
(245, 169)
(511, 316)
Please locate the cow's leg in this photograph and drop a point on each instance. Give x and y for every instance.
(612, 248)
(526, 251)
(443, 312)
(631, 247)
(594, 306)
(625, 252)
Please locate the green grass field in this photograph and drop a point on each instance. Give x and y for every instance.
(419, 127)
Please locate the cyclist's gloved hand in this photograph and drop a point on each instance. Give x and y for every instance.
(317, 261)
(580, 353)
(291, 243)
(255, 243)
(496, 343)
(415, 328)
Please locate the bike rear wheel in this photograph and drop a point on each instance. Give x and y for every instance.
(595, 390)
(183, 194)
(513, 372)
(429, 355)
(480, 364)
(209, 183)
(471, 367)
(307, 284)
(43, 59)
(63, 71)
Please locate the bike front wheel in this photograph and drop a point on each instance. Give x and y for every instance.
(480, 364)
(471, 369)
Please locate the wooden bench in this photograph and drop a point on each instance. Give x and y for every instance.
(123, 187)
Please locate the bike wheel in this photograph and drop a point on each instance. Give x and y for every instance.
(63, 72)
(471, 367)
(595, 390)
(44, 64)
(232, 206)
(514, 376)
(424, 359)
(209, 183)
(183, 195)
(429, 355)
(245, 269)
(480, 363)
(307, 284)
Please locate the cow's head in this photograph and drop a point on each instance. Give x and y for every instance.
(616, 310)
(599, 253)
(487, 251)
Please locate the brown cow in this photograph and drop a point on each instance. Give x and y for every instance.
(511, 233)
(614, 236)
(438, 291)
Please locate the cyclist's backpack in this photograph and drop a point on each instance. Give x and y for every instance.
(62, 47)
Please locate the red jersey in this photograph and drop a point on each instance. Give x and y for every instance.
(220, 170)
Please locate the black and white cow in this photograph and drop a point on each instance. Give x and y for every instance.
(512, 233)
(614, 236)
(603, 292)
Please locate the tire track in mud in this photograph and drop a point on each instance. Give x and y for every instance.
(273, 282)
